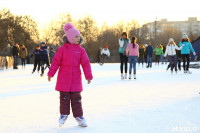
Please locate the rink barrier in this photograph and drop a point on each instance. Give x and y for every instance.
(6, 62)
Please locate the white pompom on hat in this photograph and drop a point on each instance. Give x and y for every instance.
(171, 40)
(185, 36)
(70, 32)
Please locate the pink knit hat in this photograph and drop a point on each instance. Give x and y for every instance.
(70, 32)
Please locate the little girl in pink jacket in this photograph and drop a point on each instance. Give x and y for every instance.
(68, 59)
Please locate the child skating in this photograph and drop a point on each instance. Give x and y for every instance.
(44, 57)
(68, 59)
(171, 52)
(36, 53)
(133, 53)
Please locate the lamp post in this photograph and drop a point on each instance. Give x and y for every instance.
(155, 34)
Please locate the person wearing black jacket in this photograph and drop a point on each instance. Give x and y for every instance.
(15, 52)
(178, 55)
(44, 57)
(162, 57)
(36, 53)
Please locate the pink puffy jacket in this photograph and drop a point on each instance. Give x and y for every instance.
(68, 59)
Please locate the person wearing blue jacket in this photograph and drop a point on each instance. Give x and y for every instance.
(185, 52)
(123, 43)
(149, 52)
(37, 61)
(44, 57)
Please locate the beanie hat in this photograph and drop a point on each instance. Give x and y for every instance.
(106, 46)
(171, 40)
(43, 42)
(70, 32)
(185, 36)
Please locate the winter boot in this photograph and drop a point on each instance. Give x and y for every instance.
(62, 120)
(81, 121)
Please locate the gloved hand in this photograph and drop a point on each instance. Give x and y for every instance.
(194, 53)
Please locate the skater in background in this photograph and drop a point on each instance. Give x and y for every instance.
(123, 43)
(178, 55)
(163, 59)
(159, 52)
(99, 55)
(15, 52)
(133, 53)
(36, 54)
(68, 59)
(185, 53)
(171, 52)
(105, 54)
(142, 51)
(44, 57)
(23, 53)
(57, 46)
(51, 54)
(145, 54)
(149, 52)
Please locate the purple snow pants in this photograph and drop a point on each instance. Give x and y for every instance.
(75, 99)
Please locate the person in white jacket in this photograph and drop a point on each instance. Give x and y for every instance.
(105, 53)
(171, 52)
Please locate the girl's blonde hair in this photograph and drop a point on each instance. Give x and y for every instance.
(172, 43)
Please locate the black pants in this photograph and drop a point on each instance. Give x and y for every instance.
(43, 62)
(103, 58)
(140, 60)
(23, 60)
(186, 57)
(123, 60)
(179, 62)
(158, 58)
(36, 64)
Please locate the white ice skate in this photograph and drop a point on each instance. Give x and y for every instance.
(125, 75)
(188, 72)
(81, 121)
(122, 76)
(134, 76)
(130, 76)
(62, 120)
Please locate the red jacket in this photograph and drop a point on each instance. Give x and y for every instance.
(68, 59)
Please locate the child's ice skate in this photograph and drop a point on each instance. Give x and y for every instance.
(81, 121)
(122, 76)
(62, 120)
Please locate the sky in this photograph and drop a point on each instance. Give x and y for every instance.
(109, 11)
